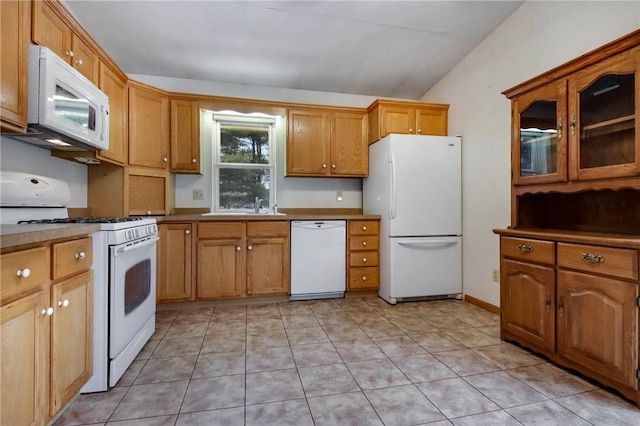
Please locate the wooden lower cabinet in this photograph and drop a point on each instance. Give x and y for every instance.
(363, 272)
(237, 259)
(174, 262)
(597, 326)
(71, 338)
(47, 339)
(25, 360)
(575, 302)
(527, 298)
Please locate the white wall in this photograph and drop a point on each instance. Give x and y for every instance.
(535, 38)
(19, 156)
(291, 192)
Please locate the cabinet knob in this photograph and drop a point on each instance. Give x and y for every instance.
(364, 278)
(364, 228)
(419, 130)
(324, 166)
(333, 166)
(364, 244)
(24, 273)
(410, 130)
(364, 260)
(78, 61)
(165, 159)
(238, 248)
(193, 160)
(250, 248)
(69, 53)
(80, 255)
(63, 303)
(47, 311)
(148, 212)
(188, 231)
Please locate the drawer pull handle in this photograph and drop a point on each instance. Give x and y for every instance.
(250, 248)
(63, 303)
(592, 258)
(24, 273)
(364, 278)
(364, 243)
(364, 260)
(523, 248)
(47, 311)
(364, 228)
(80, 255)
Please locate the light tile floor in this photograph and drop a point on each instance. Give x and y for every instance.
(354, 361)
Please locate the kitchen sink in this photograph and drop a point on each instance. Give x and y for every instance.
(243, 214)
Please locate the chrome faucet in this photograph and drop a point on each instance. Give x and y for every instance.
(257, 205)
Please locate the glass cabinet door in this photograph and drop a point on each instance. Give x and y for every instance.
(602, 119)
(539, 153)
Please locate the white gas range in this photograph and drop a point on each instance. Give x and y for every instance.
(124, 254)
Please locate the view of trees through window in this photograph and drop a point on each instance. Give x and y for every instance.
(244, 165)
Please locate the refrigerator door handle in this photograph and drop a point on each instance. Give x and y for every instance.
(429, 242)
(393, 189)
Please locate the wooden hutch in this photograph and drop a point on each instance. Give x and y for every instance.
(569, 260)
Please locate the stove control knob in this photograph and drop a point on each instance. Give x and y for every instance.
(80, 255)
(24, 273)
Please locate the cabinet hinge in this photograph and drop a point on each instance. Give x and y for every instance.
(638, 302)
(638, 374)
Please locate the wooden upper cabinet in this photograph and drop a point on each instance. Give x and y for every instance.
(15, 26)
(115, 87)
(409, 118)
(148, 127)
(603, 109)
(539, 140)
(185, 136)
(349, 149)
(326, 142)
(51, 30)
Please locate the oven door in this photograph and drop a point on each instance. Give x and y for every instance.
(132, 291)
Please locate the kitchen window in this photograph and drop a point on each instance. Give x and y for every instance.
(243, 162)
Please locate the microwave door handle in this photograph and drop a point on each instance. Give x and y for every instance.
(105, 123)
(127, 248)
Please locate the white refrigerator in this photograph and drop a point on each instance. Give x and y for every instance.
(415, 185)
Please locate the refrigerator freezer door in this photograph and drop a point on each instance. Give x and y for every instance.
(425, 186)
(425, 266)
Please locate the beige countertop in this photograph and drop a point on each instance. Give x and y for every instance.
(20, 235)
(263, 217)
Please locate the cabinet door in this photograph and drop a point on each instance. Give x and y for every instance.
(539, 148)
(308, 143)
(267, 266)
(16, 24)
(349, 148)
(597, 325)
(148, 128)
(527, 299)
(116, 89)
(84, 59)
(603, 107)
(185, 137)
(25, 360)
(221, 268)
(430, 121)
(397, 120)
(174, 262)
(148, 191)
(71, 338)
(51, 31)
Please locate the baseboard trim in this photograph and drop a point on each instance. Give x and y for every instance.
(482, 304)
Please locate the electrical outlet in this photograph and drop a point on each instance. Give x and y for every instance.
(198, 194)
(496, 275)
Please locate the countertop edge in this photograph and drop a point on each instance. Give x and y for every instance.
(21, 235)
(265, 217)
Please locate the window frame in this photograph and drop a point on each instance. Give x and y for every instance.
(258, 120)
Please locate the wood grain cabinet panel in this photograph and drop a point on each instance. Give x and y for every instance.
(50, 30)
(148, 127)
(348, 144)
(23, 271)
(115, 87)
(362, 255)
(407, 118)
(221, 271)
(174, 262)
(71, 257)
(185, 137)
(85, 60)
(267, 266)
(15, 25)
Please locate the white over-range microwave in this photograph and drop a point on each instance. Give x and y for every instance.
(66, 111)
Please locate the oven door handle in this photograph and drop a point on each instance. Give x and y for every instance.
(136, 246)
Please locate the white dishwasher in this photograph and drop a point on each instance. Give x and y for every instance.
(318, 259)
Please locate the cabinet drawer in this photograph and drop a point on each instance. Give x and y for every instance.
(71, 257)
(363, 258)
(220, 229)
(361, 278)
(267, 229)
(364, 227)
(622, 263)
(363, 243)
(529, 250)
(35, 260)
